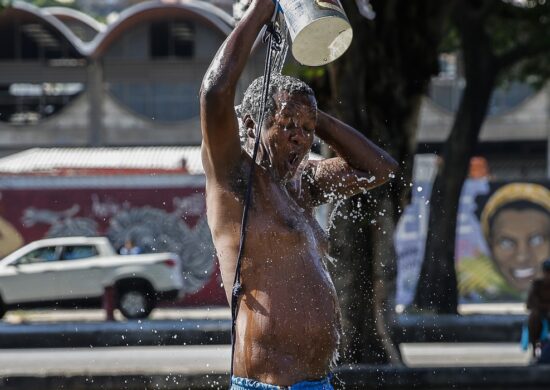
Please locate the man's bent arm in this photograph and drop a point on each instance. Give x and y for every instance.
(360, 164)
(220, 130)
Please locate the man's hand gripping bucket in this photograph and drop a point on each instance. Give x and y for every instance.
(319, 29)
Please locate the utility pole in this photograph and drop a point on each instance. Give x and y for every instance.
(95, 91)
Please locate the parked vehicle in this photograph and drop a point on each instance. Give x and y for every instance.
(74, 272)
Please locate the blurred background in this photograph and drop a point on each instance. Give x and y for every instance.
(100, 136)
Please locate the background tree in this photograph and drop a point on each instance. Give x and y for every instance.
(4, 4)
(498, 40)
(51, 3)
(377, 87)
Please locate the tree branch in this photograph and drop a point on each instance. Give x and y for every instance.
(521, 52)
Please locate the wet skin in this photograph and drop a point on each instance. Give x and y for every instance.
(288, 323)
(520, 242)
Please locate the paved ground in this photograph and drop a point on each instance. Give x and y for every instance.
(464, 354)
(115, 361)
(41, 316)
(215, 359)
(93, 315)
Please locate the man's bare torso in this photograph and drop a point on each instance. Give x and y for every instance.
(287, 327)
(288, 323)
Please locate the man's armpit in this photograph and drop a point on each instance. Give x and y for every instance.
(332, 180)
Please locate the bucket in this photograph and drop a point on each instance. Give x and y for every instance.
(319, 29)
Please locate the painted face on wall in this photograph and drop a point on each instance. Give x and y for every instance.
(520, 242)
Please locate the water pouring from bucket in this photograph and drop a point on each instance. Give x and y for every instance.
(319, 29)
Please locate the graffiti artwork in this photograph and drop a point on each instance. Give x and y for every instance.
(503, 235)
(165, 219)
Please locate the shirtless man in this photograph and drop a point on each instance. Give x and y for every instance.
(287, 330)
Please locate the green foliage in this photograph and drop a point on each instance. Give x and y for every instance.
(4, 4)
(451, 41)
(316, 77)
(51, 3)
(520, 38)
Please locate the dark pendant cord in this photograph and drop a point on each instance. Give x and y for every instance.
(273, 39)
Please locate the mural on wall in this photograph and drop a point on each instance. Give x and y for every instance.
(156, 220)
(10, 239)
(515, 221)
(503, 235)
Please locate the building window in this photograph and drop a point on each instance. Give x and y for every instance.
(172, 40)
(33, 41)
(159, 101)
(24, 103)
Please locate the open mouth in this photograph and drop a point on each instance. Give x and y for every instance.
(292, 159)
(521, 273)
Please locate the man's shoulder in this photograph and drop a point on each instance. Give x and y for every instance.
(232, 180)
(219, 169)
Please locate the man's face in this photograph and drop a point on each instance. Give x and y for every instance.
(288, 135)
(519, 244)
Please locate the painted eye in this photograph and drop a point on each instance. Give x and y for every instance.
(536, 240)
(506, 243)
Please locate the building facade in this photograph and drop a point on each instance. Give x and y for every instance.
(67, 80)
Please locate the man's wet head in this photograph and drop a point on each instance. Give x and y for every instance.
(289, 124)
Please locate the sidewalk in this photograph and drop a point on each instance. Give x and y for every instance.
(207, 326)
(98, 315)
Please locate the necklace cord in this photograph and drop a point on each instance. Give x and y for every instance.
(273, 39)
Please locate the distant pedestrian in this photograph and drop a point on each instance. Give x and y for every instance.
(130, 248)
(538, 302)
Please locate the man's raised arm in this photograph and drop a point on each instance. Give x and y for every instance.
(360, 165)
(220, 130)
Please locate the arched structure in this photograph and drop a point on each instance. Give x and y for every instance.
(83, 26)
(133, 82)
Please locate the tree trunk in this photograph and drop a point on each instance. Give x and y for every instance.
(437, 286)
(377, 87)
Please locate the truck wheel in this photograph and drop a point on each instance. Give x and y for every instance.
(135, 302)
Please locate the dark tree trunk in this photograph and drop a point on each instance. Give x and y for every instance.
(437, 286)
(377, 87)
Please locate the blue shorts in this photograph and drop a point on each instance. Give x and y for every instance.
(249, 384)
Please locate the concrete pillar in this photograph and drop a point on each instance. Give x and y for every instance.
(95, 91)
(109, 302)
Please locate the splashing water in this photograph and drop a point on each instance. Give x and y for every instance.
(279, 57)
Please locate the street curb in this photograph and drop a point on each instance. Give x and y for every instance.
(115, 334)
(407, 329)
(401, 377)
(471, 328)
(348, 377)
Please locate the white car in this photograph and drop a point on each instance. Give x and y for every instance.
(74, 272)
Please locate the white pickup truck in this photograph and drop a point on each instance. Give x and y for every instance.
(74, 271)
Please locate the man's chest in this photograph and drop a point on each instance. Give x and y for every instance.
(273, 213)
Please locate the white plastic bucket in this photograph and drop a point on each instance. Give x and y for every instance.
(319, 29)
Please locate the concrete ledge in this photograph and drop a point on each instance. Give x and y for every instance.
(349, 377)
(119, 382)
(408, 328)
(392, 377)
(470, 328)
(115, 334)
